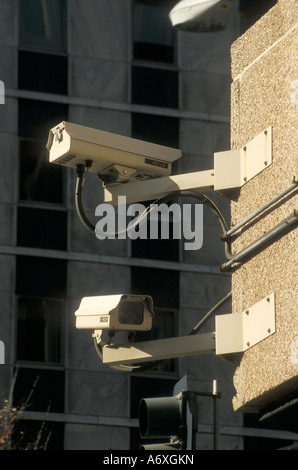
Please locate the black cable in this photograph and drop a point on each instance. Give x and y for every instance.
(209, 314)
(81, 175)
(205, 200)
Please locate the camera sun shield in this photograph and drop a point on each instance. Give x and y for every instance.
(115, 313)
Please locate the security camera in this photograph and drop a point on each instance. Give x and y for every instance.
(114, 158)
(121, 312)
(201, 15)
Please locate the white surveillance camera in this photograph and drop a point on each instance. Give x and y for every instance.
(201, 15)
(121, 312)
(114, 158)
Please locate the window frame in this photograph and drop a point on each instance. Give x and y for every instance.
(174, 47)
(44, 362)
(23, 45)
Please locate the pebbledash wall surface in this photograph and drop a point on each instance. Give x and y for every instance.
(264, 93)
(48, 261)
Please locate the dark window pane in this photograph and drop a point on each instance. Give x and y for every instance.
(153, 32)
(36, 118)
(161, 130)
(41, 228)
(40, 390)
(42, 72)
(153, 52)
(161, 284)
(39, 180)
(39, 330)
(42, 277)
(40, 435)
(162, 249)
(155, 87)
(43, 24)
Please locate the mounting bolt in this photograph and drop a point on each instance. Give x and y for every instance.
(248, 343)
(247, 312)
(268, 299)
(269, 330)
(265, 162)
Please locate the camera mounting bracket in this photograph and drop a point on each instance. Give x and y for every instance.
(232, 169)
(235, 333)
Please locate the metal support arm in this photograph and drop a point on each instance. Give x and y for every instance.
(159, 349)
(232, 169)
(158, 187)
(235, 333)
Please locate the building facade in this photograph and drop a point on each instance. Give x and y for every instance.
(117, 66)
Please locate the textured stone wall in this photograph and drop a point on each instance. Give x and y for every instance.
(265, 93)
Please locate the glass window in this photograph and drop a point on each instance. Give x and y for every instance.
(155, 87)
(41, 277)
(161, 284)
(153, 33)
(36, 118)
(40, 389)
(161, 130)
(42, 228)
(42, 72)
(42, 24)
(39, 330)
(38, 179)
(159, 249)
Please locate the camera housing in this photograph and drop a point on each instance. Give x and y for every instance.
(121, 312)
(114, 158)
(201, 15)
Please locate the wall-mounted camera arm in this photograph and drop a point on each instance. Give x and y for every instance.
(157, 188)
(231, 170)
(234, 334)
(141, 170)
(158, 350)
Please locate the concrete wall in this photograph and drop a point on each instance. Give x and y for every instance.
(264, 93)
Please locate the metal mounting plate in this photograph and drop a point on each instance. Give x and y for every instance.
(233, 168)
(236, 332)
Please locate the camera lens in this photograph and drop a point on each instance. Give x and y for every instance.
(131, 313)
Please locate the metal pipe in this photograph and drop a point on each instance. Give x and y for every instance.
(228, 233)
(268, 236)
